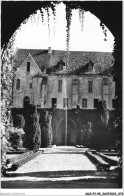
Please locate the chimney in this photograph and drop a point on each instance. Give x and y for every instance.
(49, 50)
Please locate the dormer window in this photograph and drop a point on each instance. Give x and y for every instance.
(28, 66)
(61, 64)
(90, 66)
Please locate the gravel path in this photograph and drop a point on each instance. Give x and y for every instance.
(57, 162)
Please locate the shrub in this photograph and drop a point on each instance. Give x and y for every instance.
(49, 130)
(16, 132)
(36, 136)
(5, 125)
(15, 138)
(19, 121)
(4, 147)
(32, 129)
(47, 135)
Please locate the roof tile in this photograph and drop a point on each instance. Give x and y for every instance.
(73, 60)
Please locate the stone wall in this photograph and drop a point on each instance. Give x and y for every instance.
(74, 92)
(82, 90)
(25, 80)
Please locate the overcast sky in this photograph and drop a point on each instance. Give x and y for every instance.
(35, 34)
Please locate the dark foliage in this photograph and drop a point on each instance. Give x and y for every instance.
(15, 135)
(19, 121)
(103, 137)
(15, 140)
(32, 129)
(46, 129)
(118, 101)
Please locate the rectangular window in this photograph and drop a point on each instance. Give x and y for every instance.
(28, 66)
(75, 85)
(96, 103)
(30, 85)
(75, 90)
(54, 102)
(84, 103)
(90, 86)
(65, 102)
(60, 86)
(113, 103)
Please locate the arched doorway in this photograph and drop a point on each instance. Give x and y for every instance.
(68, 139)
(26, 102)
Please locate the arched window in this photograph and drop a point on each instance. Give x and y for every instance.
(26, 102)
(28, 66)
(90, 66)
(18, 84)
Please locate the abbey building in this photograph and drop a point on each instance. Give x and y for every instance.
(47, 78)
(71, 82)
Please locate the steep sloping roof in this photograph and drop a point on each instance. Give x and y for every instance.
(41, 57)
(82, 69)
(74, 60)
(38, 75)
(56, 68)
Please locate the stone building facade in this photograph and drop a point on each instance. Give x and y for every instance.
(64, 80)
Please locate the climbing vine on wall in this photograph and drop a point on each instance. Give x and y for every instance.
(81, 18)
(104, 31)
(68, 18)
(47, 6)
(7, 74)
(69, 6)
